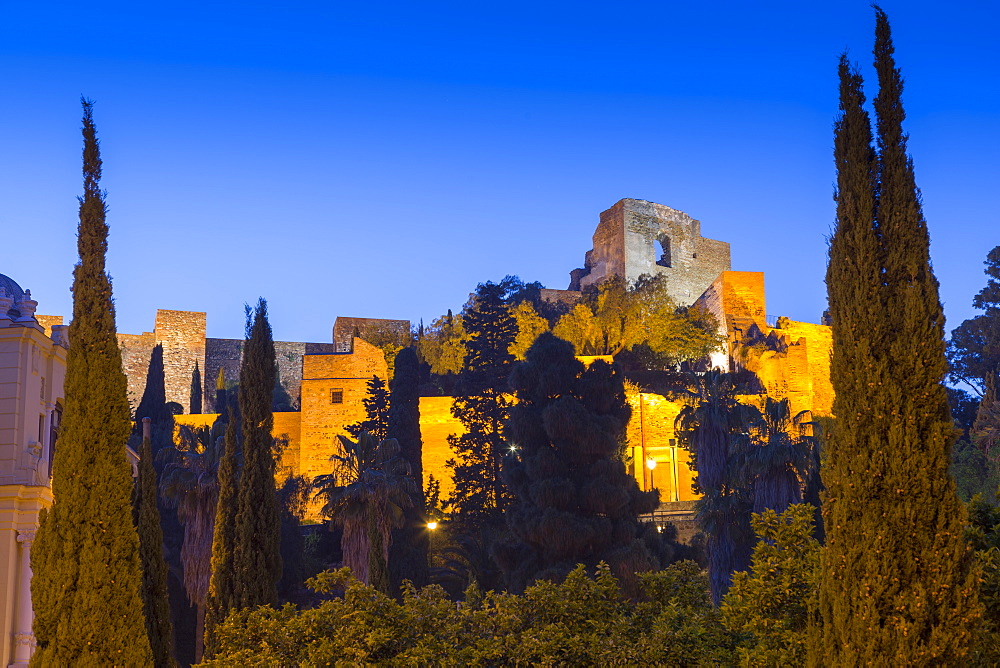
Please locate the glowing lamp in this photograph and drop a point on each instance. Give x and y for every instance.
(432, 525)
(650, 464)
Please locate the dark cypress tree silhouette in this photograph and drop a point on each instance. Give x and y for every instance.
(146, 515)
(376, 403)
(195, 403)
(481, 406)
(222, 586)
(896, 584)
(712, 428)
(86, 589)
(292, 499)
(410, 543)
(574, 502)
(257, 555)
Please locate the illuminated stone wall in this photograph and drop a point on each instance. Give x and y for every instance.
(344, 328)
(652, 439)
(791, 359)
(182, 335)
(287, 427)
(322, 419)
(436, 424)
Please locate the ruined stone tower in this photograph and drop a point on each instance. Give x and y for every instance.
(636, 237)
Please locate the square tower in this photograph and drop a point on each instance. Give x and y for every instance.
(636, 237)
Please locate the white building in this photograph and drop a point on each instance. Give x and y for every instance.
(32, 371)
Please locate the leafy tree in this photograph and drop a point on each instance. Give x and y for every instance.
(146, 515)
(530, 326)
(974, 349)
(582, 621)
(973, 472)
(581, 328)
(963, 410)
(195, 407)
(256, 554)
(986, 429)
(376, 403)
(711, 426)
(769, 604)
(86, 589)
(623, 317)
(983, 534)
(442, 345)
(410, 543)
(365, 495)
(190, 484)
(574, 502)
(482, 405)
(897, 578)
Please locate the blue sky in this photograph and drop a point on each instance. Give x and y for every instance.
(380, 159)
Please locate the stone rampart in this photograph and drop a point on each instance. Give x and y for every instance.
(333, 387)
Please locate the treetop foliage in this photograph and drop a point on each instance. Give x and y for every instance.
(897, 579)
(573, 500)
(769, 604)
(974, 348)
(87, 576)
(612, 317)
(581, 621)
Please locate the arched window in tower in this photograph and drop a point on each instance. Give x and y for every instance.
(663, 250)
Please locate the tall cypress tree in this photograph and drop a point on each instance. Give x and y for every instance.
(87, 578)
(146, 515)
(222, 585)
(897, 583)
(195, 403)
(410, 543)
(257, 555)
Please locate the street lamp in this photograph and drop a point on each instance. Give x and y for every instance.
(432, 525)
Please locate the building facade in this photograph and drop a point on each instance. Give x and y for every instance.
(32, 371)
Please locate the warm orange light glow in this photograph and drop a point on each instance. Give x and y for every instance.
(432, 525)
(651, 464)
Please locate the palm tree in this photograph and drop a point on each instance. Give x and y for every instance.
(780, 457)
(365, 494)
(714, 427)
(190, 484)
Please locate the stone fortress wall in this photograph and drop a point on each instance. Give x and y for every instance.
(329, 380)
(182, 334)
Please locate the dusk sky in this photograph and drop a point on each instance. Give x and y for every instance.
(380, 159)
